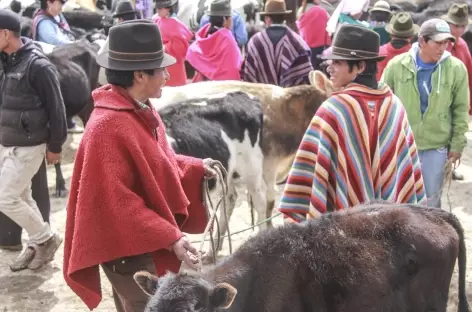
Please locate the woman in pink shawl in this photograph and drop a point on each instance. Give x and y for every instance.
(176, 37)
(215, 54)
(312, 16)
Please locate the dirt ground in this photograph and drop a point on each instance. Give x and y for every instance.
(46, 291)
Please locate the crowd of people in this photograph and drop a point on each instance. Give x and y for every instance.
(399, 113)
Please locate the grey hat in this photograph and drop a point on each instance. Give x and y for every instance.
(9, 20)
(436, 29)
(220, 8)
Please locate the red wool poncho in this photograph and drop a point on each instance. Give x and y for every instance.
(130, 193)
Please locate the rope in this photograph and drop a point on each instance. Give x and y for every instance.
(449, 167)
(212, 210)
(241, 231)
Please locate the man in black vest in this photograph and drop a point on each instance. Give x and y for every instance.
(32, 126)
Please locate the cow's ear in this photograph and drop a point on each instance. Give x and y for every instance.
(222, 296)
(147, 282)
(321, 82)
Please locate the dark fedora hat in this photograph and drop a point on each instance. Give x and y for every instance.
(401, 25)
(134, 45)
(165, 3)
(220, 8)
(123, 8)
(353, 42)
(458, 14)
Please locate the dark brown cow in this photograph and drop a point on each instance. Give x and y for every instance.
(377, 257)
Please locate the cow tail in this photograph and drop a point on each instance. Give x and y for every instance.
(454, 221)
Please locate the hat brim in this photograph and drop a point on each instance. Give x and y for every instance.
(219, 13)
(124, 13)
(442, 37)
(402, 34)
(160, 6)
(451, 21)
(275, 13)
(380, 10)
(346, 58)
(104, 61)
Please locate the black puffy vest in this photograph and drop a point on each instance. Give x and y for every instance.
(23, 118)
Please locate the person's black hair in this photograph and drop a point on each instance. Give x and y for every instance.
(44, 4)
(216, 23)
(15, 6)
(277, 18)
(368, 77)
(129, 16)
(123, 78)
(380, 16)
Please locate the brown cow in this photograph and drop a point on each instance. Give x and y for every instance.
(287, 114)
(377, 257)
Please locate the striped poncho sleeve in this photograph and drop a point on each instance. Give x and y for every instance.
(354, 151)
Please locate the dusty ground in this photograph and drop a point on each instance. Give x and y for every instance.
(46, 291)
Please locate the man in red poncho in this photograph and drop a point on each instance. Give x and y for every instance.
(458, 19)
(131, 195)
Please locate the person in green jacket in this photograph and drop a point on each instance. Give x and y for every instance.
(433, 86)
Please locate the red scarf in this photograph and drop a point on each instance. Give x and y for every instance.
(130, 194)
(312, 26)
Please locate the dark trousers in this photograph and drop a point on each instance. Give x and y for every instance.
(10, 232)
(128, 296)
(315, 60)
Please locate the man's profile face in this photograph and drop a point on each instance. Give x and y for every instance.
(4, 37)
(457, 30)
(434, 49)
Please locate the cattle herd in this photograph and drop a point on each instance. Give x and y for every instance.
(378, 257)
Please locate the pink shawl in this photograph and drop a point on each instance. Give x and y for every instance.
(217, 56)
(315, 18)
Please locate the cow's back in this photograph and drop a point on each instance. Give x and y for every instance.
(370, 258)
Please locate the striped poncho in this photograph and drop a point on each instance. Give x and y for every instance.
(358, 147)
(277, 56)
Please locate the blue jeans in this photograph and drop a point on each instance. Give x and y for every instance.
(432, 167)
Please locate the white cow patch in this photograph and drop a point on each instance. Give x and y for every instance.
(46, 47)
(247, 160)
(277, 92)
(202, 103)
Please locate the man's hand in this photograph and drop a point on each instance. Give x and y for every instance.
(454, 156)
(184, 250)
(53, 158)
(210, 173)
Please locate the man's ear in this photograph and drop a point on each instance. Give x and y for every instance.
(222, 296)
(147, 282)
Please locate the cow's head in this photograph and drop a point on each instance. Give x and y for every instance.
(184, 292)
(321, 82)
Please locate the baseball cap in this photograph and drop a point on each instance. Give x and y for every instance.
(436, 29)
(9, 20)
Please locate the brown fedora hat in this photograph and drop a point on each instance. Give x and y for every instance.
(354, 42)
(275, 7)
(134, 45)
(458, 14)
(401, 25)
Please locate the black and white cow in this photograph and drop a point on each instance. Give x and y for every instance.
(228, 128)
(78, 76)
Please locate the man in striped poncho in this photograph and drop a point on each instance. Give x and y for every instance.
(277, 55)
(359, 145)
